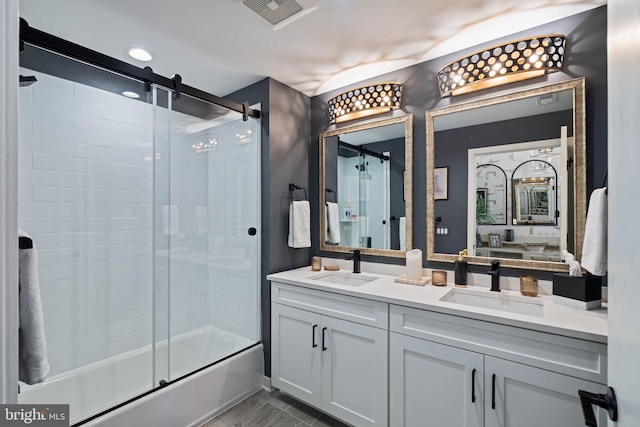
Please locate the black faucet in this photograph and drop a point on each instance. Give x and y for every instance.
(356, 260)
(495, 276)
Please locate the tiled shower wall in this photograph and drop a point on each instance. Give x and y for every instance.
(86, 197)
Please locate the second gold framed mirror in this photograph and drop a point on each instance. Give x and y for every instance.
(536, 140)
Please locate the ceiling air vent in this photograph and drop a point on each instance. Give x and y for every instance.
(279, 13)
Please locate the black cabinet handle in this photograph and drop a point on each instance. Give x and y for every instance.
(323, 346)
(493, 391)
(313, 336)
(607, 401)
(473, 386)
(252, 231)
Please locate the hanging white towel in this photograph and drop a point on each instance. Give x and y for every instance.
(33, 365)
(299, 224)
(402, 233)
(594, 249)
(333, 223)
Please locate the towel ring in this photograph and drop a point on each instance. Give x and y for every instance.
(335, 196)
(293, 187)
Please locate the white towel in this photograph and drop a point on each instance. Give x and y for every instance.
(333, 223)
(594, 249)
(33, 364)
(299, 224)
(402, 233)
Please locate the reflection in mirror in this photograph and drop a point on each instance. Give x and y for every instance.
(534, 192)
(509, 197)
(531, 196)
(363, 183)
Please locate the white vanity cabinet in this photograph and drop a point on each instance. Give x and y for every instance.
(453, 371)
(434, 385)
(518, 395)
(330, 351)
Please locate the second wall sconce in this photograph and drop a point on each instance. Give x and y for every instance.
(507, 63)
(365, 101)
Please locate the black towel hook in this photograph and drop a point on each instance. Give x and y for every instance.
(25, 242)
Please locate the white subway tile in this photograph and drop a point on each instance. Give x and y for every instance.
(110, 127)
(37, 144)
(53, 84)
(25, 160)
(25, 192)
(92, 152)
(54, 131)
(45, 114)
(68, 133)
(144, 120)
(89, 108)
(43, 95)
(25, 126)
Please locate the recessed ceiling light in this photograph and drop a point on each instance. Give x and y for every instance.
(130, 94)
(139, 54)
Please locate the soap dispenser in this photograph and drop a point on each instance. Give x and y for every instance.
(460, 269)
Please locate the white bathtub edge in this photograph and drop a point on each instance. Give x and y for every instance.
(196, 399)
(266, 384)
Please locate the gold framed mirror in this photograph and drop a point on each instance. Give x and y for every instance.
(540, 135)
(366, 187)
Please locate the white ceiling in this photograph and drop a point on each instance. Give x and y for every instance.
(221, 46)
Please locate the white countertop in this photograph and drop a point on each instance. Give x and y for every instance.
(557, 319)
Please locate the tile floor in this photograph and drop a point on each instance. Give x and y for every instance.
(273, 409)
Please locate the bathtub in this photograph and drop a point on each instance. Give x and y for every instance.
(187, 402)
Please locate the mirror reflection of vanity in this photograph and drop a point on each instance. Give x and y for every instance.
(516, 173)
(365, 175)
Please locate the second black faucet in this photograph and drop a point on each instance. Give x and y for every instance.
(356, 260)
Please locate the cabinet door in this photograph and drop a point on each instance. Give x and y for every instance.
(434, 385)
(296, 352)
(354, 372)
(522, 396)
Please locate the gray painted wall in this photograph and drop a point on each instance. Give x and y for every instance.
(586, 56)
(285, 159)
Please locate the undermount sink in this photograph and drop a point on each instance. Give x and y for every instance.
(501, 301)
(349, 279)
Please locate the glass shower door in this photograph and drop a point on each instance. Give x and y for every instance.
(86, 196)
(211, 224)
